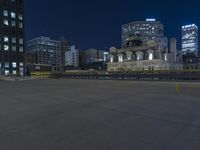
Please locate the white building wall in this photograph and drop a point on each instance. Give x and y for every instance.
(72, 57)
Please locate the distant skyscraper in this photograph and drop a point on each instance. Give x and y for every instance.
(12, 53)
(190, 39)
(148, 29)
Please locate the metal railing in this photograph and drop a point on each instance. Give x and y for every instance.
(142, 75)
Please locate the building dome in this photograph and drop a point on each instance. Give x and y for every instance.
(134, 40)
(113, 49)
(151, 43)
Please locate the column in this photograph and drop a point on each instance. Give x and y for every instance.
(129, 55)
(139, 55)
(120, 57)
(111, 58)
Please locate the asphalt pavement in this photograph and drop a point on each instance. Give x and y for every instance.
(99, 115)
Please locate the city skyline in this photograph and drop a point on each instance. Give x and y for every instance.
(74, 19)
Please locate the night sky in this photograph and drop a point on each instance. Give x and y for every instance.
(97, 23)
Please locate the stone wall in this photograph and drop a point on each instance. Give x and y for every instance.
(142, 65)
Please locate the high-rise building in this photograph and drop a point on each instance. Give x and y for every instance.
(148, 30)
(12, 52)
(46, 51)
(72, 57)
(190, 39)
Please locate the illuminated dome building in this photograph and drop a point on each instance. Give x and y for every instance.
(137, 54)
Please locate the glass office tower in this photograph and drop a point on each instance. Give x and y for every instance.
(190, 39)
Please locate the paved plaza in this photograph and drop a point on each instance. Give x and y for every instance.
(99, 115)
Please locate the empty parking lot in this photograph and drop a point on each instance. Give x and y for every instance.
(99, 115)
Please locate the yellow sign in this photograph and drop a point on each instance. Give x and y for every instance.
(40, 74)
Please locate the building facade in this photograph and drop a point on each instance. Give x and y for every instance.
(139, 55)
(72, 57)
(12, 52)
(82, 59)
(64, 48)
(148, 29)
(190, 39)
(91, 55)
(100, 55)
(45, 51)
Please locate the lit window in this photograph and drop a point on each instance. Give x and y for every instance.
(13, 15)
(20, 17)
(21, 64)
(14, 72)
(6, 47)
(6, 39)
(14, 65)
(5, 13)
(6, 22)
(6, 72)
(21, 41)
(21, 49)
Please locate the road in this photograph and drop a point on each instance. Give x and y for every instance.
(99, 115)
